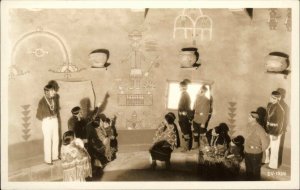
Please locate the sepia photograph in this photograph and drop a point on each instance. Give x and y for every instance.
(150, 94)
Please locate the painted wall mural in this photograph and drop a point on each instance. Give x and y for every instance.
(26, 124)
(288, 20)
(193, 23)
(273, 19)
(137, 91)
(231, 119)
(66, 68)
(134, 122)
(151, 52)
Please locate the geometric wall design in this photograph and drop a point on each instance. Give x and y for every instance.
(26, 123)
(231, 119)
(134, 99)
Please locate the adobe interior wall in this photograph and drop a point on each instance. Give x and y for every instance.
(233, 59)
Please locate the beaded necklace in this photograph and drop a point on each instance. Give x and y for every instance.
(51, 106)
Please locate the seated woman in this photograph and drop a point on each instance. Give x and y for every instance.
(96, 147)
(218, 138)
(76, 162)
(103, 132)
(164, 141)
(111, 134)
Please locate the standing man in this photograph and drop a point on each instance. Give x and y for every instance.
(47, 113)
(275, 128)
(184, 115)
(201, 114)
(256, 142)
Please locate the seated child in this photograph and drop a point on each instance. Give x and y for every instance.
(218, 138)
(235, 154)
(109, 126)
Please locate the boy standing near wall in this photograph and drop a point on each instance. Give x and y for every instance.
(275, 128)
(184, 115)
(47, 113)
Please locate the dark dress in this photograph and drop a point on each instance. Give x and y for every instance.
(164, 142)
(96, 148)
(177, 136)
(79, 127)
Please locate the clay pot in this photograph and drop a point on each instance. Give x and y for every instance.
(276, 62)
(188, 57)
(99, 57)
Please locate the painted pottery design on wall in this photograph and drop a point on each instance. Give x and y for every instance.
(98, 58)
(189, 57)
(196, 25)
(231, 114)
(277, 63)
(26, 124)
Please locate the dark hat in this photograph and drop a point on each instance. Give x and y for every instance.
(75, 110)
(204, 88)
(173, 115)
(54, 84)
(238, 140)
(67, 137)
(170, 117)
(185, 82)
(107, 120)
(276, 94)
(48, 87)
(254, 114)
(101, 117)
(222, 128)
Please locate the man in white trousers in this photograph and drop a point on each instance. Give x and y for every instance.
(275, 128)
(47, 112)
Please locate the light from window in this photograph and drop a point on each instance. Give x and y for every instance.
(174, 93)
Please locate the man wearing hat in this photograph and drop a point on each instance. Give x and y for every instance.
(184, 115)
(275, 128)
(201, 113)
(78, 124)
(47, 112)
(256, 142)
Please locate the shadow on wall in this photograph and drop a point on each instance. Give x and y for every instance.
(85, 105)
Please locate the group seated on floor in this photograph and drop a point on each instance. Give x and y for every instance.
(216, 147)
(92, 139)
